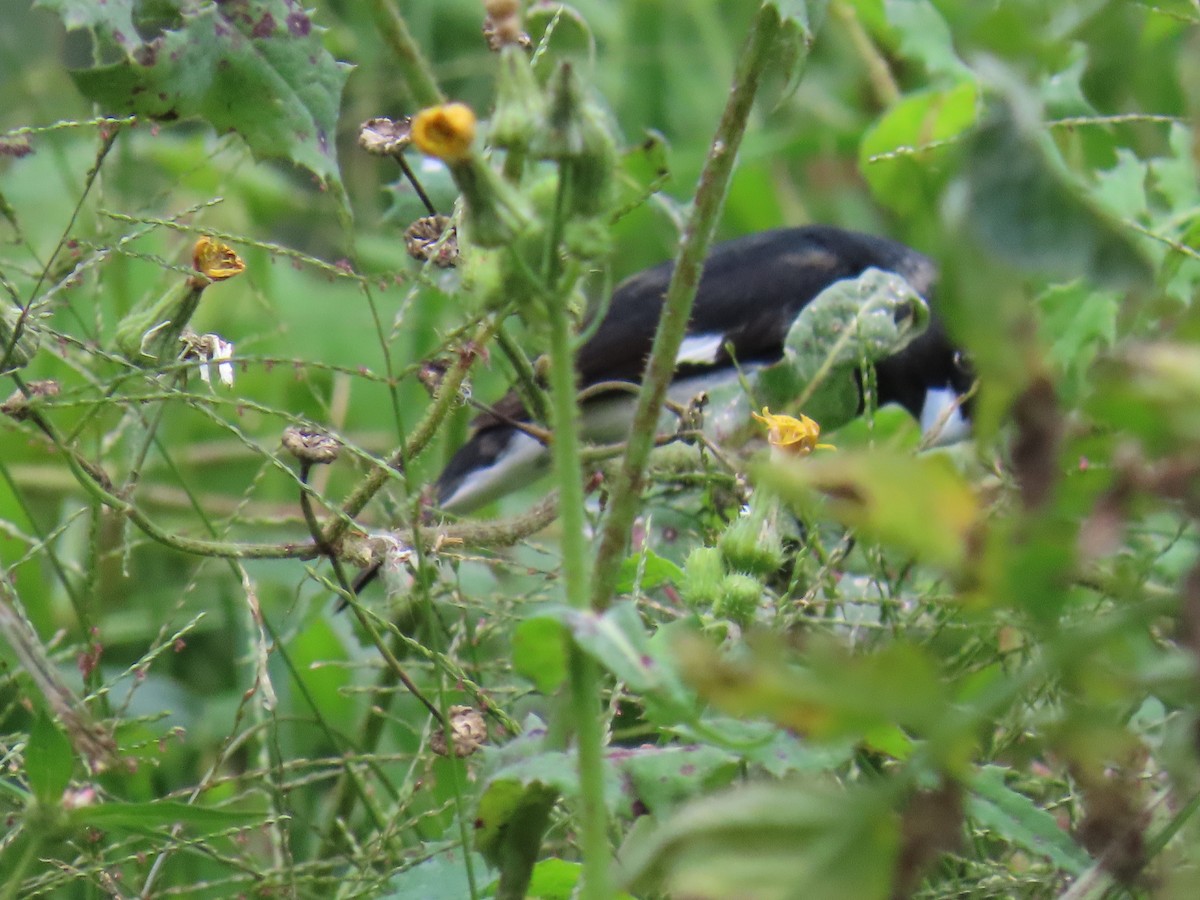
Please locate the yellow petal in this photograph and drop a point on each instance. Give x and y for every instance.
(791, 435)
(445, 131)
(216, 261)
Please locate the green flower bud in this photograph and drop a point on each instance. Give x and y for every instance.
(703, 575)
(149, 333)
(520, 104)
(750, 544)
(495, 212)
(740, 596)
(577, 136)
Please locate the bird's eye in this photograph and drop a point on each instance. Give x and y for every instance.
(961, 362)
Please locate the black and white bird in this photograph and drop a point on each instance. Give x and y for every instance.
(750, 293)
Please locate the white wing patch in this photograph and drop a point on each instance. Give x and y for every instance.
(522, 461)
(700, 349)
(942, 419)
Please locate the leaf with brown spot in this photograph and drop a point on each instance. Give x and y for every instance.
(918, 504)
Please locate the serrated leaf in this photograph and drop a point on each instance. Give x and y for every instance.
(1078, 322)
(1015, 818)
(664, 777)
(772, 841)
(1025, 208)
(256, 67)
(111, 21)
(925, 36)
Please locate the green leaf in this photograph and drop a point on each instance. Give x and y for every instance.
(643, 169)
(1078, 322)
(925, 36)
(111, 21)
(443, 875)
(772, 840)
(260, 70)
(555, 879)
(800, 20)
(618, 640)
(49, 761)
(1027, 209)
(540, 652)
(511, 821)
(852, 323)
(892, 157)
(1015, 818)
(647, 570)
(828, 695)
(150, 818)
(664, 777)
(920, 504)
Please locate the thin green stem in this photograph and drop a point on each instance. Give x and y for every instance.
(106, 144)
(584, 675)
(447, 396)
(418, 74)
(677, 308)
(526, 384)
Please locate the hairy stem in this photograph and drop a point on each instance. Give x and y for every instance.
(584, 674)
(677, 308)
(418, 74)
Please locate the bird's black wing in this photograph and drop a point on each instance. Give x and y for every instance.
(751, 291)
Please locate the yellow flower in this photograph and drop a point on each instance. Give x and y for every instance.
(787, 434)
(445, 131)
(216, 261)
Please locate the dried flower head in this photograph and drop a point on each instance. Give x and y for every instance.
(433, 239)
(18, 402)
(468, 730)
(310, 445)
(385, 137)
(445, 131)
(432, 373)
(216, 261)
(502, 25)
(790, 435)
(208, 349)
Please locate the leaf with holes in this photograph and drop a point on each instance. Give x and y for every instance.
(256, 67)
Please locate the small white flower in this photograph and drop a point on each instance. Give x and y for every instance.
(207, 349)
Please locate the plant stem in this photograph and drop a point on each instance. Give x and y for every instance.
(584, 675)
(677, 307)
(420, 436)
(418, 74)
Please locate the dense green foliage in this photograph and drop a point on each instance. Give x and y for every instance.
(869, 672)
